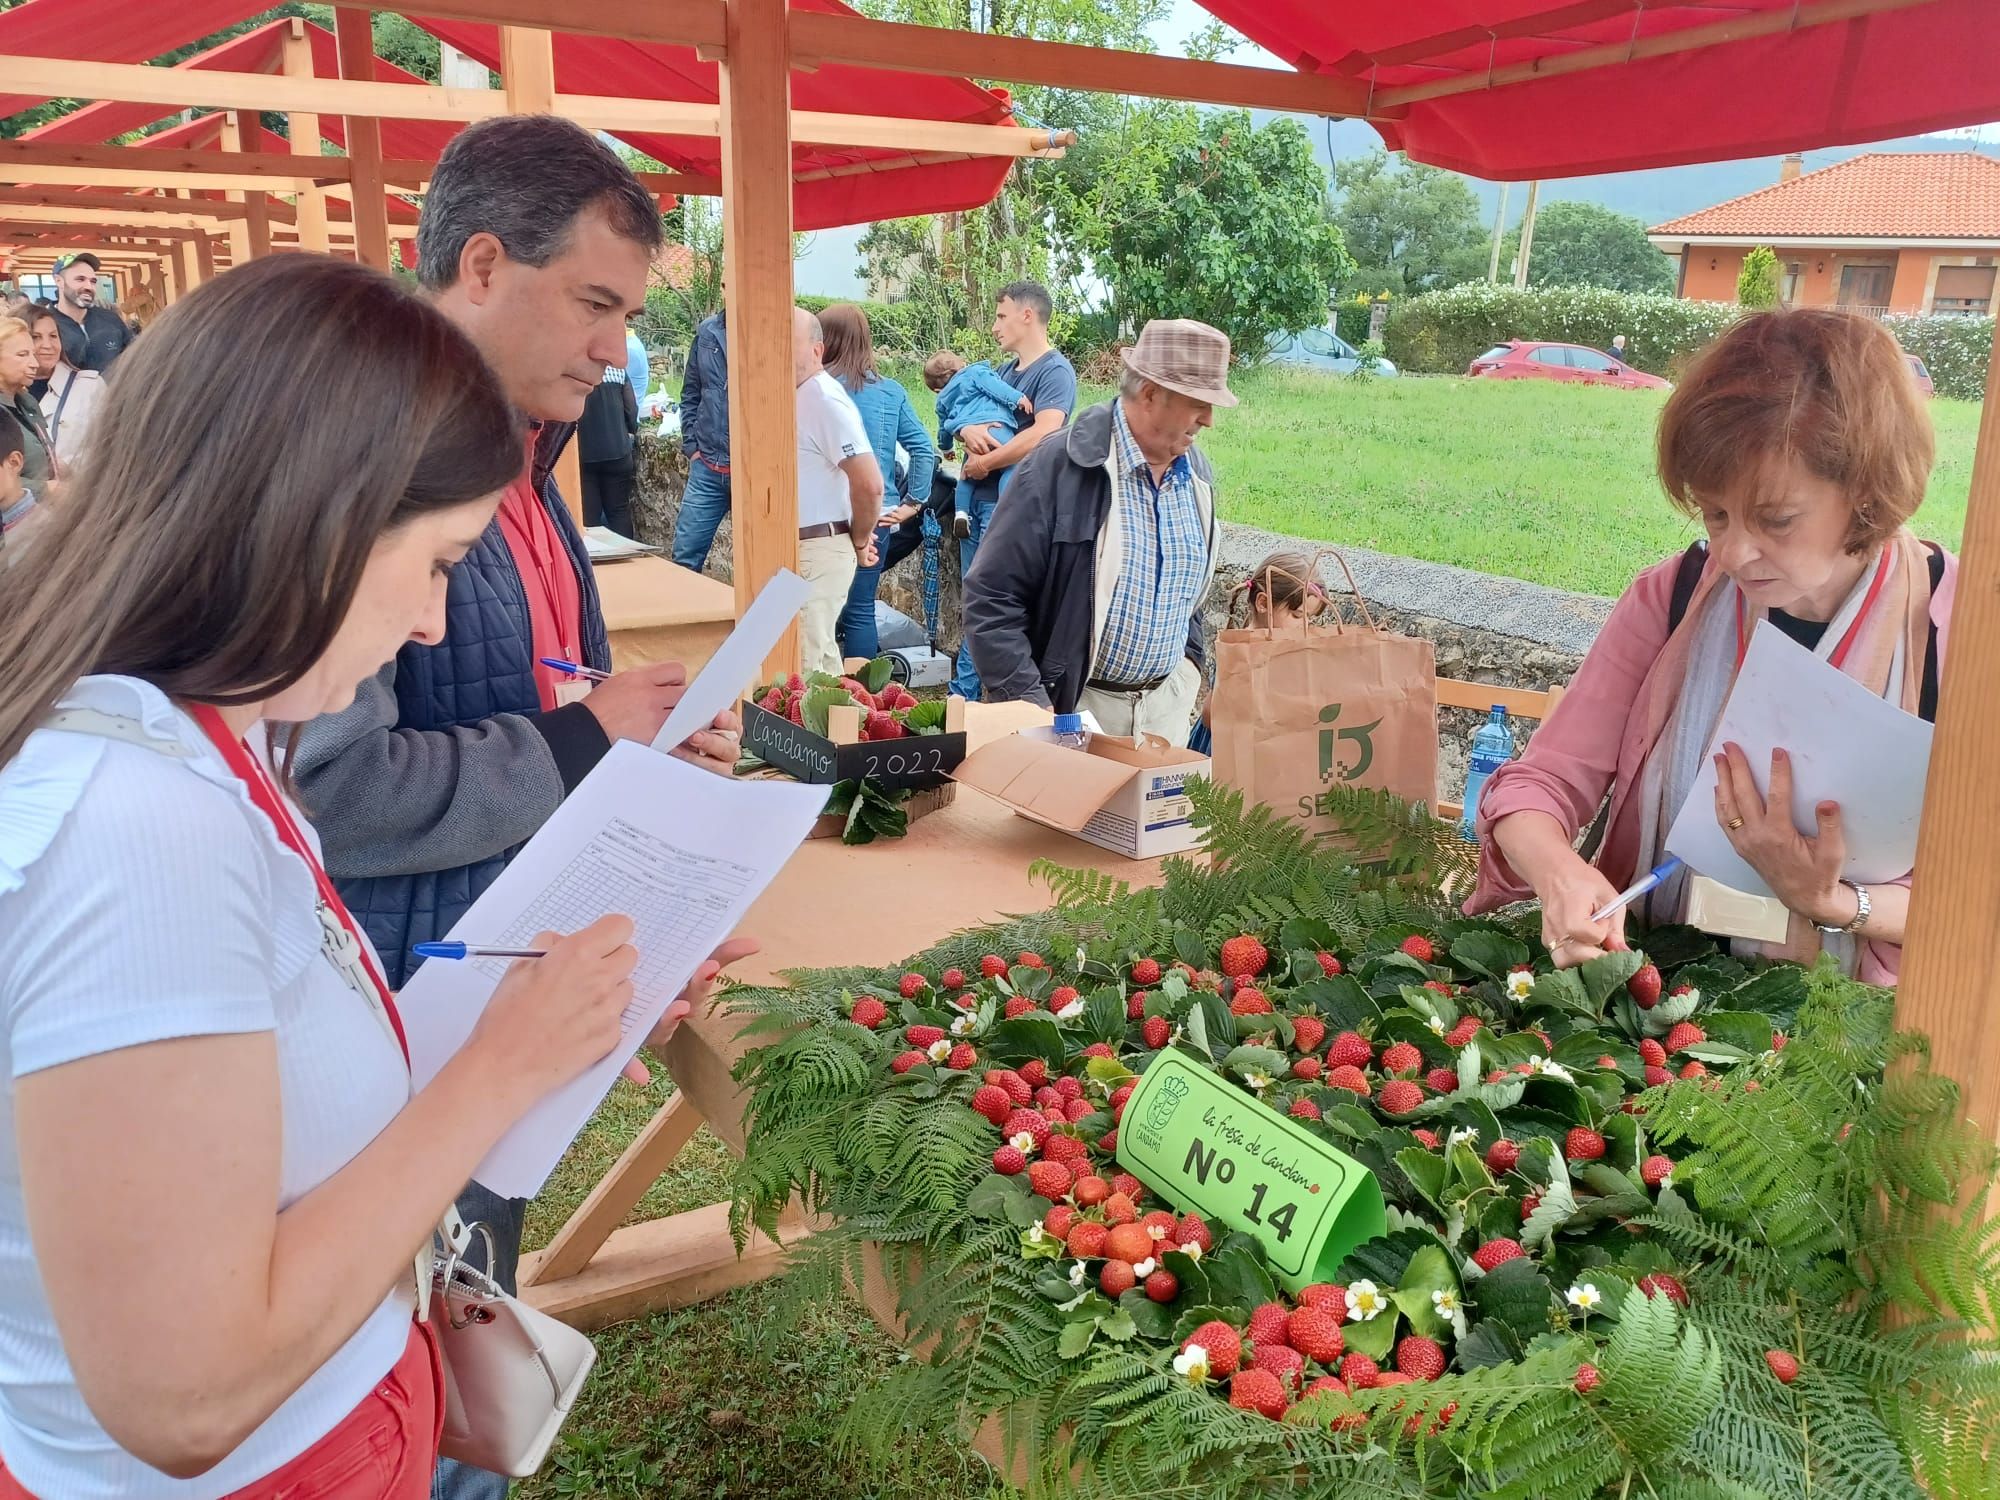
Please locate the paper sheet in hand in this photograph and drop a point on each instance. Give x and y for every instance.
(681, 851)
(1846, 746)
(737, 661)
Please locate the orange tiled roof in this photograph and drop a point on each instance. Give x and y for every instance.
(1913, 195)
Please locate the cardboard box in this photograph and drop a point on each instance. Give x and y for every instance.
(1130, 799)
(915, 763)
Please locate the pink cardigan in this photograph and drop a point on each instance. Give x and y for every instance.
(1593, 741)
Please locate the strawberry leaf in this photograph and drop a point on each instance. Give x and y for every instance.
(1375, 1337)
(1150, 1319)
(1605, 975)
(1488, 953)
(877, 674)
(925, 718)
(1076, 1337)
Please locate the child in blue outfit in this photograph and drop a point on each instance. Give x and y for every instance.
(972, 396)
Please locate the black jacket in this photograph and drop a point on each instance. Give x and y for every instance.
(1032, 615)
(610, 423)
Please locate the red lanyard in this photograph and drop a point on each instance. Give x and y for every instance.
(265, 795)
(1853, 631)
(538, 535)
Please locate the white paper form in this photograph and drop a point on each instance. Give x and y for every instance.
(1846, 745)
(737, 661)
(680, 850)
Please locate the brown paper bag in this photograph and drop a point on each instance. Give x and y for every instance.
(1296, 712)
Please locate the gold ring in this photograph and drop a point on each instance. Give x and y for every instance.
(1733, 824)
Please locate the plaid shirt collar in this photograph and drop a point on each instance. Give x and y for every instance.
(1133, 461)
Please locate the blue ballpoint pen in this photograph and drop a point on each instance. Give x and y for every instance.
(1638, 888)
(473, 950)
(589, 673)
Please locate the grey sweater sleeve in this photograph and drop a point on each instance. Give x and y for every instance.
(390, 801)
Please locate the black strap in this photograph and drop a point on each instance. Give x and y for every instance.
(1686, 580)
(55, 422)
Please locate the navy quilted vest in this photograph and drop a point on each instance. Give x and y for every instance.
(483, 667)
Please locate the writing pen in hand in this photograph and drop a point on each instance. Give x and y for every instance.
(590, 674)
(1647, 882)
(474, 950)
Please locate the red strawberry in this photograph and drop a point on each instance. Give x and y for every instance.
(1308, 1032)
(1686, 1034)
(1586, 1379)
(1029, 960)
(1069, 1088)
(1308, 1068)
(963, 1056)
(1651, 1053)
(1607, 1061)
(1061, 996)
(1692, 1069)
(1066, 1149)
(869, 1012)
(1135, 1006)
(1283, 1361)
(1194, 1230)
(1419, 1357)
(1529, 1204)
(795, 710)
(912, 985)
(1665, 1285)
(1035, 1071)
(1427, 1137)
(1463, 1032)
(1403, 1058)
(1325, 1294)
(1268, 1322)
(1657, 1077)
(1304, 1109)
(1419, 948)
(1077, 1109)
(992, 1102)
(1350, 1050)
(906, 1061)
(1259, 1391)
(1583, 1145)
(1091, 1189)
(1400, 1096)
(1778, 1040)
(1359, 1372)
(1315, 1333)
(773, 702)
(1496, 1253)
(993, 966)
(1086, 1239)
(1655, 1170)
(1502, 1156)
(952, 979)
(1163, 1286)
(1018, 1005)
(1098, 1049)
(1243, 957)
(1324, 1383)
(1250, 1002)
(1048, 1100)
(877, 725)
(1029, 1121)
(1784, 1365)
(1328, 965)
(1644, 987)
(1117, 1278)
(1349, 1078)
(1120, 1094)
(1120, 1209)
(1146, 971)
(1108, 1143)
(1008, 1161)
(1222, 1344)
(923, 1036)
(1059, 1220)
(1441, 1081)
(1157, 1031)
(1051, 1179)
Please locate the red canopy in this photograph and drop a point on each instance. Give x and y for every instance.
(1924, 66)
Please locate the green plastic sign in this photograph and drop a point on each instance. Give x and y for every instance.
(1210, 1147)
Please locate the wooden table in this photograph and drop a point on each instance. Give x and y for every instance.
(659, 611)
(963, 866)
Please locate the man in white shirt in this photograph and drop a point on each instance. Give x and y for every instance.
(840, 494)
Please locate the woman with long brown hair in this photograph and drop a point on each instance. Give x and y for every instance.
(214, 1175)
(68, 397)
(17, 373)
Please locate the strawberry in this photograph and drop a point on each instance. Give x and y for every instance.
(1463, 1032)
(1784, 1365)
(1665, 1285)
(952, 979)
(1117, 1278)
(1059, 1220)
(1243, 957)
(1360, 1372)
(912, 985)
(1051, 1179)
(1035, 1071)
(1502, 1156)
(923, 1036)
(993, 966)
(1129, 1242)
(1657, 1077)
(1437, 987)
(1259, 1391)
(1350, 1050)
(1778, 1040)
(1441, 1081)
(1308, 1068)
(1419, 1357)
(1086, 1239)
(1098, 1049)
(963, 1057)
(1655, 1170)
(1269, 1322)
(1069, 1087)
(1008, 1161)
(1108, 1143)
(881, 726)
(773, 702)
(1692, 1069)
(1029, 960)
(1163, 1286)
(1120, 1209)
(1608, 1062)
(1529, 1204)
(1583, 1145)
(1315, 1333)
(1048, 1100)
(1194, 1230)
(1586, 1379)
(1644, 987)
(1091, 1189)
(1222, 1344)
(1325, 1294)
(1401, 1057)
(1496, 1253)
(1250, 1002)
(1348, 1078)
(1308, 1032)
(1419, 948)
(795, 710)
(1651, 1053)
(1026, 1120)
(1130, 1186)
(1018, 1005)
(1066, 1149)
(1061, 996)
(1135, 1006)
(1684, 1035)
(992, 1102)
(1304, 1109)
(1146, 971)
(1120, 1094)
(906, 1061)
(1394, 1377)
(1283, 1361)
(1076, 1110)
(1159, 1225)
(1427, 1137)
(869, 1012)
(1400, 1096)
(1322, 1384)
(1329, 965)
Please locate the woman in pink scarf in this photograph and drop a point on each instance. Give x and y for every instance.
(1799, 441)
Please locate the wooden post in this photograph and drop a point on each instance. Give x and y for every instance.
(238, 229)
(757, 249)
(1953, 940)
(253, 236)
(355, 35)
(528, 70)
(1527, 235)
(303, 128)
(204, 256)
(190, 264)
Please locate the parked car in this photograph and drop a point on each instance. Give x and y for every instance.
(1519, 359)
(1922, 373)
(1322, 349)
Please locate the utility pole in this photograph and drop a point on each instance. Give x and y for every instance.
(1499, 232)
(1527, 235)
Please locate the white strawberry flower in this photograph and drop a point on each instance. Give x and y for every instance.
(938, 1051)
(1462, 1133)
(1539, 1064)
(1765, 1059)
(1077, 1272)
(1584, 1297)
(1449, 1308)
(1036, 1234)
(1364, 1301)
(1145, 1268)
(1158, 1232)
(1437, 1025)
(965, 1026)
(1022, 1141)
(1256, 1080)
(1081, 957)
(1193, 1363)
(1520, 985)
(1070, 1011)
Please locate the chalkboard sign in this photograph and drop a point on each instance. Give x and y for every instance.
(915, 763)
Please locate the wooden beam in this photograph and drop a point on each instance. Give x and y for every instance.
(1953, 940)
(204, 257)
(302, 125)
(355, 37)
(216, 210)
(241, 133)
(684, 22)
(146, 219)
(218, 180)
(282, 170)
(757, 247)
(528, 70)
(652, 1151)
(1737, 28)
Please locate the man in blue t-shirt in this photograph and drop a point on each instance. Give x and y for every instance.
(1039, 371)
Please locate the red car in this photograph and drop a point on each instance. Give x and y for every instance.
(1922, 374)
(1520, 360)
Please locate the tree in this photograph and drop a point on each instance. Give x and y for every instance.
(1410, 228)
(1757, 283)
(1234, 235)
(1587, 244)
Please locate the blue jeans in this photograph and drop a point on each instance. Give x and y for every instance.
(505, 1217)
(856, 629)
(704, 502)
(965, 681)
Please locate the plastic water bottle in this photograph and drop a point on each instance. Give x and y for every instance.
(1492, 748)
(1070, 732)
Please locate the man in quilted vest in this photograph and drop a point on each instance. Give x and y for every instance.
(535, 239)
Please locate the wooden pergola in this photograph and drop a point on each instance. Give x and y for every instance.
(1431, 91)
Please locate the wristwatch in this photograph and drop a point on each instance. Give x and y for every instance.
(1862, 907)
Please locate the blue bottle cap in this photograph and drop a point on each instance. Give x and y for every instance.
(1069, 723)
(1500, 711)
